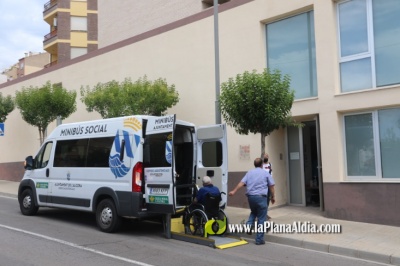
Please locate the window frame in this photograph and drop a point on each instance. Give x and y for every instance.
(371, 46)
(377, 149)
(313, 87)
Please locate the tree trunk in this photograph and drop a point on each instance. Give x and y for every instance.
(41, 135)
(263, 135)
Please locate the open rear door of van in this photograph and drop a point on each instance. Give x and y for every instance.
(212, 157)
(159, 165)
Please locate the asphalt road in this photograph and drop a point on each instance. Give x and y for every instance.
(62, 237)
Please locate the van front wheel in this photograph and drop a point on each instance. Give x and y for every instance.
(27, 203)
(106, 216)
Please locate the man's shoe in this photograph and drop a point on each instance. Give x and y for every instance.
(260, 243)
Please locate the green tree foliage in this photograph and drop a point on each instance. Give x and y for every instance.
(257, 103)
(113, 99)
(6, 106)
(40, 106)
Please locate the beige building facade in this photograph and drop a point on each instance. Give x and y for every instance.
(126, 19)
(343, 59)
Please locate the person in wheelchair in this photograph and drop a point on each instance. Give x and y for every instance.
(205, 207)
(208, 188)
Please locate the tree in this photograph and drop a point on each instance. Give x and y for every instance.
(40, 106)
(257, 103)
(6, 106)
(112, 99)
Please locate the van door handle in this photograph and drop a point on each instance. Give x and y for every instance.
(210, 173)
(47, 172)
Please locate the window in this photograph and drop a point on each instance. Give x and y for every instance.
(43, 157)
(360, 145)
(369, 39)
(158, 150)
(212, 154)
(373, 144)
(92, 152)
(70, 153)
(78, 23)
(98, 152)
(78, 51)
(291, 49)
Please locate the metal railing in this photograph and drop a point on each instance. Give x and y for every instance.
(50, 35)
(49, 5)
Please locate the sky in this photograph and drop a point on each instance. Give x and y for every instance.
(22, 29)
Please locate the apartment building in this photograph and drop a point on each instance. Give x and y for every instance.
(10, 73)
(343, 58)
(28, 64)
(72, 29)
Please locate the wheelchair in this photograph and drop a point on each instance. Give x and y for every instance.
(197, 216)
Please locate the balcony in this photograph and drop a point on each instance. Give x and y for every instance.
(49, 36)
(49, 6)
(50, 64)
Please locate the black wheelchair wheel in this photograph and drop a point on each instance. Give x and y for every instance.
(222, 216)
(195, 223)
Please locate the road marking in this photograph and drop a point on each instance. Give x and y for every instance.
(77, 246)
(7, 197)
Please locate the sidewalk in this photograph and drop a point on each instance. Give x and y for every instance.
(372, 242)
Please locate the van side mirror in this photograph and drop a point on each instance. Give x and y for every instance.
(28, 164)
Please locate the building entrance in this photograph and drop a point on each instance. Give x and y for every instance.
(305, 178)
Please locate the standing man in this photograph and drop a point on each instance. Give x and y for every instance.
(257, 182)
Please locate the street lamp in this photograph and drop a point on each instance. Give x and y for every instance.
(216, 48)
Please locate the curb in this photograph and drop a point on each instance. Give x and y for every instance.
(337, 250)
(329, 248)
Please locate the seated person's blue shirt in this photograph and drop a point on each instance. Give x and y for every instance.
(201, 194)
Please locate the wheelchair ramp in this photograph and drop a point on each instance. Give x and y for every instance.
(221, 242)
(193, 239)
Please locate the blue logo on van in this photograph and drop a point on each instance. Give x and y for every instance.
(118, 165)
(168, 151)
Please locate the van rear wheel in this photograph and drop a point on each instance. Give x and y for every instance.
(106, 216)
(27, 203)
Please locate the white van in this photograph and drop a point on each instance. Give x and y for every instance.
(136, 166)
